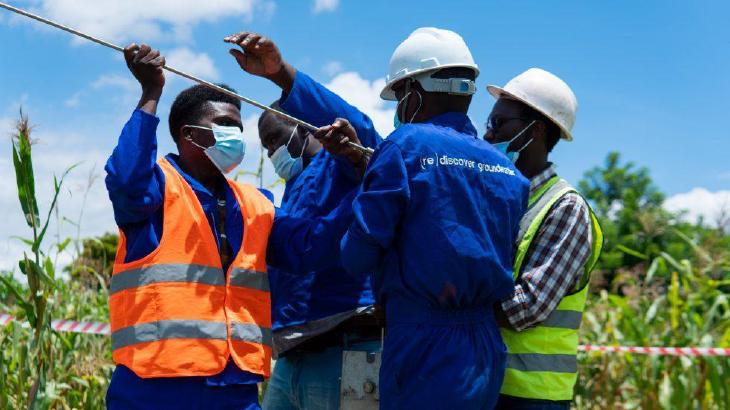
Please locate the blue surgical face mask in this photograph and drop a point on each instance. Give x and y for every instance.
(285, 165)
(504, 146)
(229, 147)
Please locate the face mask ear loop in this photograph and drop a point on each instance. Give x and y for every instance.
(520, 134)
(405, 98)
(304, 147)
(190, 139)
(420, 103)
(291, 136)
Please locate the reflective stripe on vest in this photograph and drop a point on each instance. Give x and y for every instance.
(168, 329)
(166, 273)
(563, 319)
(534, 362)
(248, 332)
(175, 312)
(250, 279)
(542, 361)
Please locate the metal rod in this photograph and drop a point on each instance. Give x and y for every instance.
(364, 150)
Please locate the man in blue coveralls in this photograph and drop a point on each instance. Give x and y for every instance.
(316, 314)
(435, 219)
(136, 186)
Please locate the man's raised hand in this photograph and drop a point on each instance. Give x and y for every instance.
(146, 65)
(258, 55)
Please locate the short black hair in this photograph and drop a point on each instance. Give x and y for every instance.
(191, 104)
(266, 114)
(553, 132)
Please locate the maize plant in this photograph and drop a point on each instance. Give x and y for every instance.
(669, 302)
(37, 266)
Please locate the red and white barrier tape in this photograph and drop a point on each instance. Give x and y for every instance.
(660, 351)
(97, 328)
(94, 328)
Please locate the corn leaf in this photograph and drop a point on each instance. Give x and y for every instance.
(57, 189)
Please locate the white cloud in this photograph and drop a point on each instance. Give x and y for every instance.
(74, 100)
(128, 89)
(325, 5)
(114, 80)
(365, 95)
(332, 68)
(125, 96)
(197, 64)
(700, 202)
(137, 20)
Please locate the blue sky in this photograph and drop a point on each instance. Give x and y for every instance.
(652, 78)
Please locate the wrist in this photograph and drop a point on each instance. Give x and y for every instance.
(284, 78)
(151, 92)
(149, 100)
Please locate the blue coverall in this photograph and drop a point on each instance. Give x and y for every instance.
(440, 239)
(308, 305)
(436, 220)
(301, 297)
(136, 186)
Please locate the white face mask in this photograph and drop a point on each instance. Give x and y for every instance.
(285, 165)
(229, 147)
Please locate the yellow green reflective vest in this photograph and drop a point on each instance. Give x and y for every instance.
(542, 361)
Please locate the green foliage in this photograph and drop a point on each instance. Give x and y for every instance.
(661, 282)
(691, 309)
(39, 271)
(629, 207)
(93, 266)
(80, 365)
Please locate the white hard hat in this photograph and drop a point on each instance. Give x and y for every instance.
(426, 50)
(544, 92)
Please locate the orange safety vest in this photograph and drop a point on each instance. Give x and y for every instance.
(175, 313)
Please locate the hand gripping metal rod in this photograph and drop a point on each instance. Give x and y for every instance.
(364, 150)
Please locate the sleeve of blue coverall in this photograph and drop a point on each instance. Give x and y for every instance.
(378, 210)
(133, 178)
(298, 244)
(314, 103)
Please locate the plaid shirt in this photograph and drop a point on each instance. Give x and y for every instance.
(555, 261)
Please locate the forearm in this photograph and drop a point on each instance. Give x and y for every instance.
(359, 255)
(377, 209)
(133, 180)
(303, 244)
(150, 99)
(284, 78)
